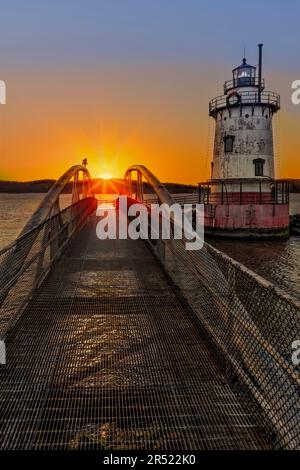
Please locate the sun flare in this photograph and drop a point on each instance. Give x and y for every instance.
(106, 176)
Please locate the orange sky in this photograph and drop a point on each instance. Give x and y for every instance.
(118, 115)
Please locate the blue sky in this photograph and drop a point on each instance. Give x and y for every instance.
(147, 30)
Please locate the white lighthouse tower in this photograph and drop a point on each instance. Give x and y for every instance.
(242, 196)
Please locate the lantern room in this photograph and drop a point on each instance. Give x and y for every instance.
(244, 75)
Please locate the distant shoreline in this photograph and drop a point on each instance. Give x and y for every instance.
(112, 186)
(99, 186)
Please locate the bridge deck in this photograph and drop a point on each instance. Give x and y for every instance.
(107, 357)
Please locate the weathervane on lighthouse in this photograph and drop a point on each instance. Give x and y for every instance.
(242, 198)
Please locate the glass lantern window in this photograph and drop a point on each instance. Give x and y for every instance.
(244, 75)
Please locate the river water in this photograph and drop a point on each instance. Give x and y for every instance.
(276, 260)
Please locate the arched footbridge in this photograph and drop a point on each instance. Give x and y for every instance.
(139, 344)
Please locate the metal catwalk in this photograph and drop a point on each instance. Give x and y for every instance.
(106, 356)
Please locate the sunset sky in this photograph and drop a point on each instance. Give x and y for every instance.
(128, 81)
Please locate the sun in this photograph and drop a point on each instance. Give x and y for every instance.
(106, 176)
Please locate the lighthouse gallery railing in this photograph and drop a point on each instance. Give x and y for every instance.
(236, 191)
(268, 98)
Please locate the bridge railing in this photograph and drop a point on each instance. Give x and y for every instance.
(250, 321)
(25, 262)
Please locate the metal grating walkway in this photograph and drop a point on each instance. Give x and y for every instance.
(107, 357)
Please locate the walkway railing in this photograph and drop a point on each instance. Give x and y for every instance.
(25, 262)
(251, 322)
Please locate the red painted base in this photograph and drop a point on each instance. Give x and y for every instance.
(247, 220)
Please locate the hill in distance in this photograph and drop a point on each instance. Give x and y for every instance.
(112, 186)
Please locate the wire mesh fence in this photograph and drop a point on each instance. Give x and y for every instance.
(25, 262)
(107, 356)
(252, 324)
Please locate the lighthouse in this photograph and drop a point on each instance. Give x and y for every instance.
(243, 197)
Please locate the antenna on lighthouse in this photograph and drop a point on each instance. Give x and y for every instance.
(260, 46)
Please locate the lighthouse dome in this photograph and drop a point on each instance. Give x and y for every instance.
(244, 75)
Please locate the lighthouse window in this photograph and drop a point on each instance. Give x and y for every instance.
(228, 143)
(259, 166)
